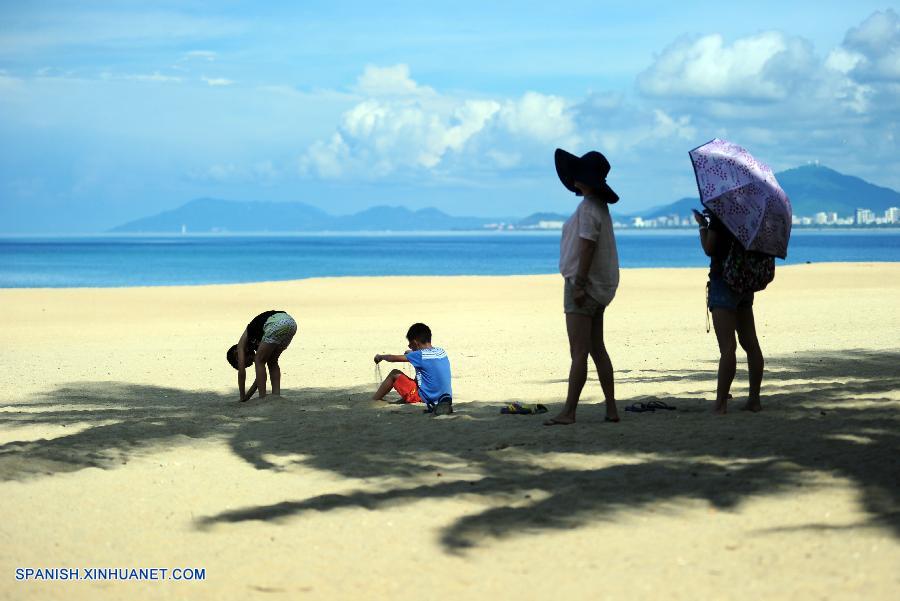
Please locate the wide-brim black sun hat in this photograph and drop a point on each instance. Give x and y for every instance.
(591, 169)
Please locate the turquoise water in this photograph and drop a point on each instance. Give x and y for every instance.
(104, 261)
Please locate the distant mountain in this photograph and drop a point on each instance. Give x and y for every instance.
(811, 188)
(215, 215)
(814, 188)
(384, 218)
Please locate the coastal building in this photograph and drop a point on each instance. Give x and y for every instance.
(865, 216)
(550, 225)
(821, 218)
(892, 215)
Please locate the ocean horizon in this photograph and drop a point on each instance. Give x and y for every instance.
(125, 260)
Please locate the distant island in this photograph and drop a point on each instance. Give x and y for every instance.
(819, 196)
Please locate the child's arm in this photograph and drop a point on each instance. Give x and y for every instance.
(391, 358)
(241, 360)
(249, 392)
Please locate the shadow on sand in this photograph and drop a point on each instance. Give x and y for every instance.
(842, 420)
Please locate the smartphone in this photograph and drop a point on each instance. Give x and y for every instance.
(700, 216)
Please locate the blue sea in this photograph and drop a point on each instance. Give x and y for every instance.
(105, 261)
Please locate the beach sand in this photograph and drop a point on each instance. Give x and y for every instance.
(122, 445)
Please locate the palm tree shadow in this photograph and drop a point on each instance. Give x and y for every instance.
(833, 413)
(835, 422)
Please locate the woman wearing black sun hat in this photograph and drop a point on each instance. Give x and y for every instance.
(589, 262)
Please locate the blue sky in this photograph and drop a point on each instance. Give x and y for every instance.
(114, 111)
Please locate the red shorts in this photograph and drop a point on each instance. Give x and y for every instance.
(407, 388)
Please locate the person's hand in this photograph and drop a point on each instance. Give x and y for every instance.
(700, 219)
(579, 296)
(378, 358)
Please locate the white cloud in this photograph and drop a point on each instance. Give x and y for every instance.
(631, 130)
(875, 45)
(390, 81)
(217, 81)
(202, 55)
(759, 67)
(260, 172)
(842, 60)
(776, 79)
(155, 77)
(666, 126)
(221, 172)
(770, 90)
(327, 159)
(399, 124)
(504, 160)
(111, 28)
(544, 118)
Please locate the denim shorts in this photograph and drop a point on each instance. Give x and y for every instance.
(591, 306)
(721, 296)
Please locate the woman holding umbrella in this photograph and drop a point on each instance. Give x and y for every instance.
(731, 312)
(748, 225)
(589, 263)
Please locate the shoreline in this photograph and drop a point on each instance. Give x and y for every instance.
(890, 229)
(778, 269)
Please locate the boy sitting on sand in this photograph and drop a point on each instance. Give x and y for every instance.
(432, 383)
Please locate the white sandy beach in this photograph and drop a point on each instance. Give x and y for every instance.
(122, 444)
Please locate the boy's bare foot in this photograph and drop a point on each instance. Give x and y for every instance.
(560, 420)
(753, 406)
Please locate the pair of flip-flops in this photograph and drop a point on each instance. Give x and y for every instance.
(651, 407)
(518, 408)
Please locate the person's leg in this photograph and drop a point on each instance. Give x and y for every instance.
(578, 327)
(263, 354)
(275, 371)
(387, 385)
(724, 322)
(746, 330)
(604, 366)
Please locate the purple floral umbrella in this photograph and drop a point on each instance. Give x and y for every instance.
(744, 194)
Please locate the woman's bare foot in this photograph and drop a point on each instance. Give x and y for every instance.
(721, 407)
(753, 406)
(563, 419)
(612, 412)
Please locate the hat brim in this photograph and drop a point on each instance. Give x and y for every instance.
(569, 168)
